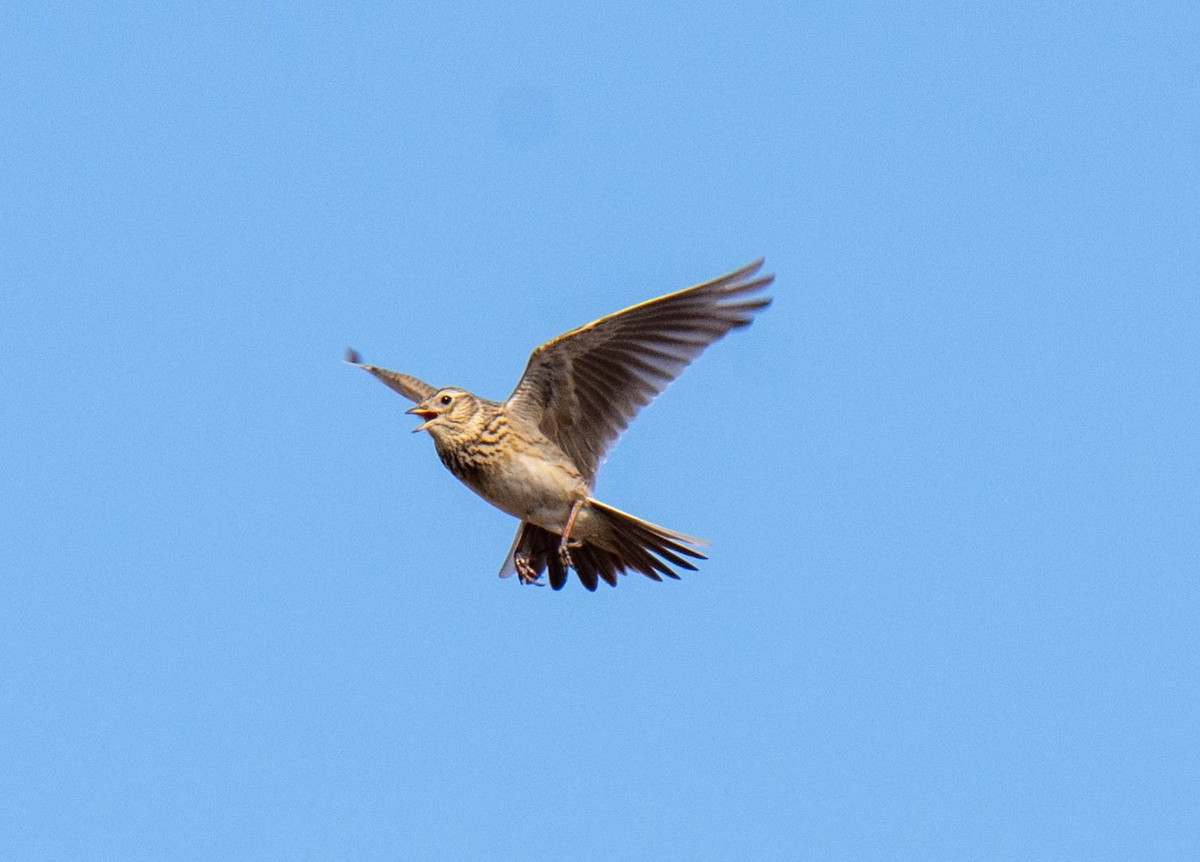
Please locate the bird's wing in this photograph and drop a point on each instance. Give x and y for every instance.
(583, 388)
(410, 387)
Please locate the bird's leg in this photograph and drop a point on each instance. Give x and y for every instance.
(525, 572)
(564, 547)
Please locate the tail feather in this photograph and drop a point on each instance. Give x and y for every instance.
(540, 548)
(628, 544)
(558, 572)
(671, 557)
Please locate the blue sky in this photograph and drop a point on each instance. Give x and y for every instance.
(951, 476)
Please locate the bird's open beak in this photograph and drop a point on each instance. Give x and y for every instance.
(426, 414)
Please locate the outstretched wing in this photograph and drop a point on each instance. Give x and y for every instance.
(584, 388)
(410, 387)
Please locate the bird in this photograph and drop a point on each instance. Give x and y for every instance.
(536, 454)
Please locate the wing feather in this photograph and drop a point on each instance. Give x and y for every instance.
(407, 385)
(585, 387)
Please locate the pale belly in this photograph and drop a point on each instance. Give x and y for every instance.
(531, 488)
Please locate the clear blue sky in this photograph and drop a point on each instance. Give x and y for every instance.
(951, 476)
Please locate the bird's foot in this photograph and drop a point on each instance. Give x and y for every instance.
(564, 552)
(526, 574)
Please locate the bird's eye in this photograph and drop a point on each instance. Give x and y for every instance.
(445, 399)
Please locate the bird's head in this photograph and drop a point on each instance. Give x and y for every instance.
(447, 412)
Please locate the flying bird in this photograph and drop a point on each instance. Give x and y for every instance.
(535, 456)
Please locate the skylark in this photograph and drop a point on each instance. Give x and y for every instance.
(535, 456)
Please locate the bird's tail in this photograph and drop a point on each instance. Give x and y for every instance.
(641, 546)
(626, 544)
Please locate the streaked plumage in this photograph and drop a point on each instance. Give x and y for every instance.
(535, 455)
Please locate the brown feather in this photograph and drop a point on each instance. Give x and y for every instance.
(585, 387)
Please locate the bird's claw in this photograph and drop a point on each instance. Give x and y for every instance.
(564, 552)
(526, 573)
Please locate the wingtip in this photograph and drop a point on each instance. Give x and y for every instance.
(752, 269)
(352, 357)
(741, 281)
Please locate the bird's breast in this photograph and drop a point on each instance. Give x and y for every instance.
(529, 479)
